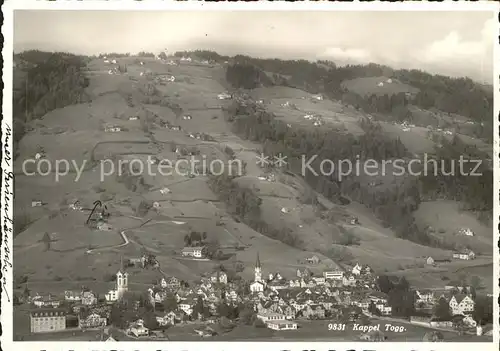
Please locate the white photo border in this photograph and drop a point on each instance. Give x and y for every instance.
(6, 242)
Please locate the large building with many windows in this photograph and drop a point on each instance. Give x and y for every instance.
(44, 320)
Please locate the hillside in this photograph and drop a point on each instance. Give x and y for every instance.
(285, 220)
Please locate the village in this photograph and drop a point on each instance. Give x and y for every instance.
(216, 303)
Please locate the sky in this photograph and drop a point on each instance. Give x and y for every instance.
(449, 43)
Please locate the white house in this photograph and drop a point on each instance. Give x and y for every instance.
(334, 275)
(384, 309)
(357, 269)
(72, 295)
(138, 329)
(424, 296)
(349, 280)
(466, 231)
(112, 129)
(224, 96)
(429, 261)
(282, 325)
(36, 203)
(197, 251)
(469, 321)
(465, 255)
(266, 317)
(461, 304)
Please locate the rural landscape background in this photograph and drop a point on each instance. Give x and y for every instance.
(65, 104)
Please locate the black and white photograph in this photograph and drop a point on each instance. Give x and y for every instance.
(251, 176)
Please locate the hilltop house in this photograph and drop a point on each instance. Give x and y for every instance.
(464, 255)
(466, 231)
(224, 96)
(429, 261)
(195, 251)
(36, 203)
(112, 129)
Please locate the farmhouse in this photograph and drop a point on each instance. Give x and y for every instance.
(313, 260)
(224, 96)
(112, 129)
(282, 325)
(138, 329)
(36, 203)
(357, 269)
(464, 255)
(47, 320)
(46, 301)
(219, 277)
(195, 251)
(92, 320)
(461, 304)
(466, 231)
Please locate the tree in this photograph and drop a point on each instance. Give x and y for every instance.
(46, 240)
(223, 310)
(187, 240)
(162, 55)
(199, 307)
(26, 292)
(212, 248)
(385, 284)
(442, 309)
(117, 316)
(373, 309)
(247, 316)
(195, 237)
(475, 282)
(170, 303)
(483, 309)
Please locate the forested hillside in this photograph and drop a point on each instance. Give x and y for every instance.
(394, 204)
(43, 82)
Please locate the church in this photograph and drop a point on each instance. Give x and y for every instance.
(258, 284)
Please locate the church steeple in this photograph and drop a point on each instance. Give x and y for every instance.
(257, 263)
(258, 270)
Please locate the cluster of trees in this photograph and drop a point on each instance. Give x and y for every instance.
(146, 54)
(244, 204)
(453, 95)
(50, 81)
(394, 203)
(246, 76)
(401, 297)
